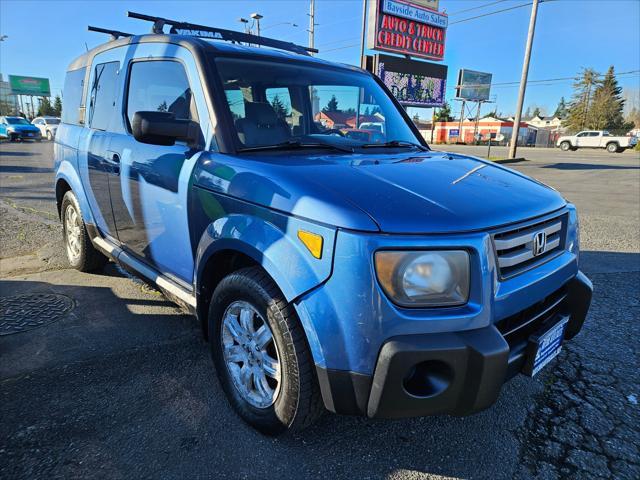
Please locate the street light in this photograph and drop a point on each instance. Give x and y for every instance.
(257, 17)
(246, 24)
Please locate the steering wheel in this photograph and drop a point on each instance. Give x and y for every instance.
(332, 131)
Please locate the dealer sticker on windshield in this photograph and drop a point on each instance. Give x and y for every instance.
(544, 348)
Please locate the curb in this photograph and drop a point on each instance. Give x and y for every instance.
(511, 160)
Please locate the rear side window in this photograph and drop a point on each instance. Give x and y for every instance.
(160, 86)
(103, 94)
(72, 96)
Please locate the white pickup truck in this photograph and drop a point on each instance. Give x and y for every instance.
(596, 139)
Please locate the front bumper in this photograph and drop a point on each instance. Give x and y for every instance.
(25, 135)
(455, 373)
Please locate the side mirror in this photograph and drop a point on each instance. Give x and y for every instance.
(163, 128)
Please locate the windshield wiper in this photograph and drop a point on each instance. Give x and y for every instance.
(295, 144)
(394, 144)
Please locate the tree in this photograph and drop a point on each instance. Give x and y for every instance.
(57, 106)
(536, 112)
(444, 113)
(527, 113)
(561, 109)
(280, 108)
(332, 105)
(45, 108)
(608, 105)
(493, 114)
(579, 116)
(634, 117)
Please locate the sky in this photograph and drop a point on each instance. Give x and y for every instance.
(44, 36)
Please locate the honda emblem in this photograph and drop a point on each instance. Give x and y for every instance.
(539, 243)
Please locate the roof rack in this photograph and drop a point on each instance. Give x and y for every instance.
(202, 31)
(115, 34)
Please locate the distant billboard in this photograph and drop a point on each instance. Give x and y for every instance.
(473, 86)
(414, 83)
(29, 86)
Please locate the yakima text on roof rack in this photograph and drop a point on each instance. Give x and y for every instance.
(203, 31)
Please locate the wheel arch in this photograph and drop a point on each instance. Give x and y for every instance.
(67, 179)
(279, 253)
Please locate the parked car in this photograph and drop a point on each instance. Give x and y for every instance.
(368, 136)
(327, 272)
(47, 126)
(596, 139)
(18, 128)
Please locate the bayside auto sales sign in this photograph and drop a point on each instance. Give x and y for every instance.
(406, 28)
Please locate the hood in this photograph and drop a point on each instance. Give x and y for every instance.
(24, 128)
(429, 192)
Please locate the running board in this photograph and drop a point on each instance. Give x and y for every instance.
(172, 290)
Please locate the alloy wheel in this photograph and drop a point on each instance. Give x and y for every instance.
(73, 232)
(250, 354)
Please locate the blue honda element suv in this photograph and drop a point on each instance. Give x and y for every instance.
(361, 274)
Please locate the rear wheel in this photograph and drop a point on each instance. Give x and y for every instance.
(81, 253)
(612, 147)
(49, 135)
(565, 146)
(261, 354)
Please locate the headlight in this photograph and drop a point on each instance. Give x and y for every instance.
(427, 278)
(11, 129)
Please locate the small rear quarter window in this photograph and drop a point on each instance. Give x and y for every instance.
(72, 96)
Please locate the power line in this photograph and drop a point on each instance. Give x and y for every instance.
(491, 13)
(476, 8)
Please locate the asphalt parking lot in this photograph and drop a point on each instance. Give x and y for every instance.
(119, 383)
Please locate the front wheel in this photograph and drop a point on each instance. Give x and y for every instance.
(81, 253)
(261, 355)
(565, 146)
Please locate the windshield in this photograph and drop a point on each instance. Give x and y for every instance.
(52, 121)
(17, 121)
(275, 104)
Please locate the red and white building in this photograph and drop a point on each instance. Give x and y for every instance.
(450, 132)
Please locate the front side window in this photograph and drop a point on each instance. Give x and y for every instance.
(274, 104)
(103, 94)
(160, 86)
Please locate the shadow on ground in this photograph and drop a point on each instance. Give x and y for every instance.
(124, 387)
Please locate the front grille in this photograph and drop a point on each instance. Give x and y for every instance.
(515, 247)
(517, 328)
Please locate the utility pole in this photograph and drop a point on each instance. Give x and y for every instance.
(364, 34)
(523, 80)
(312, 24)
(460, 135)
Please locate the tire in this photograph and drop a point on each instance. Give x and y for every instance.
(81, 253)
(49, 135)
(612, 147)
(565, 146)
(293, 401)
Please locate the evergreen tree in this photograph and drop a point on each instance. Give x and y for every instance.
(536, 112)
(332, 105)
(45, 108)
(561, 109)
(280, 108)
(444, 113)
(527, 113)
(579, 117)
(608, 105)
(57, 106)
